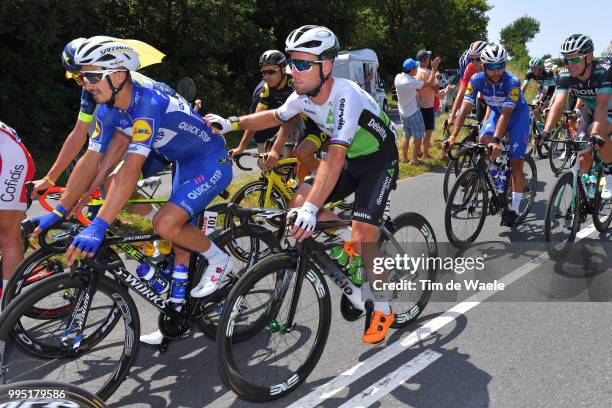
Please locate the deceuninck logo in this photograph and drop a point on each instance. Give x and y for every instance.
(142, 130)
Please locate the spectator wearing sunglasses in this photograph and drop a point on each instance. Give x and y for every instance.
(78, 136)
(591, 82)
(270, 93)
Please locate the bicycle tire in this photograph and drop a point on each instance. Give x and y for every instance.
(559, 153)
(256, 187)
(281, 268)
(598, 205)
(459, 163)
(422, 227)
(65, 393)
(572, 223)
(42, 290)
(470, 176)
(209, 322)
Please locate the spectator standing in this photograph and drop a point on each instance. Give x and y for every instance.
(406, 86)
(427, 96)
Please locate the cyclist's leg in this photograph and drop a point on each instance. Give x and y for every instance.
(519, 137)
(586, 124)
(370, 200)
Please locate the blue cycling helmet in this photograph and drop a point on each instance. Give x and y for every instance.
(68, 54)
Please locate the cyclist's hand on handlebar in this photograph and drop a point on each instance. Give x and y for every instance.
(597, 141)
(218, 124)
(271, 159)
(46, 220)
(236, 152)
(39, 187)
(305, 220)
(495, 149)
(88, 241)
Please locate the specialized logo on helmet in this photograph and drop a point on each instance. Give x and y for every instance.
(118, 48)
(514, 94)
(97, 131)
(142, 130)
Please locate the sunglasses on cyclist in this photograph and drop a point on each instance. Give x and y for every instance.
(494, 67)
(269, 71)
(93, 77)
(574, 60)
(302, 65)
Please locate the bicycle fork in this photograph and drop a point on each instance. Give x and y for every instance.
(78, 319)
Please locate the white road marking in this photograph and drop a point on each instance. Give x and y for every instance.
(393, 380)
(354, 373)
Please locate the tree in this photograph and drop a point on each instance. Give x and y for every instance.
(515, 36)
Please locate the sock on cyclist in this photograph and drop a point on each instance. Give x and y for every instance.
(214, 254)
(516, 201)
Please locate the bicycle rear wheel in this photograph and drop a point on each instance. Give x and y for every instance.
(562, 217)
(412, 237)
(277, 358)
(466, 209)
(603, 208)
(46, 350)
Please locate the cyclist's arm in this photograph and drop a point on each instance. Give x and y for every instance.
(71, 147)
(600, 116)
(524, 86)
(327, 175)
(81, 177)
(458, 102)
(259, 121)
(558, 106)
(123, 187)
(248, 134)
(502, 123)
(116, 149)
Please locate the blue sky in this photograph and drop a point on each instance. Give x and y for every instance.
(558, 20)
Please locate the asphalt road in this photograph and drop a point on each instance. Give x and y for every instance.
(541, 341)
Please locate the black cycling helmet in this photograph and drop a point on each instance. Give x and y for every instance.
(273, 57)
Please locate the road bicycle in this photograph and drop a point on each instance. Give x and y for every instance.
(462, 159)
(561, 148)
(92, 336)
(288, 292)
(576, 195)
(476, 194)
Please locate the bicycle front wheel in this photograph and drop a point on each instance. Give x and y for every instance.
(530, 171)
(53, 352)
(273, 361)
(462, 161)
(412, 237)
(562, 217)
(466, 209)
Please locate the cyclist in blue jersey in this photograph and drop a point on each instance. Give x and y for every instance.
(509, 112)
(78, 136)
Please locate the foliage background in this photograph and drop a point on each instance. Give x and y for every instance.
(215, 42)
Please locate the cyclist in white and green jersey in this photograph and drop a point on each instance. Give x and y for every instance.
(362, 157)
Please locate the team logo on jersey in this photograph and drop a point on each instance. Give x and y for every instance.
(514, 94)
(470, 89)
(97, 131)
(330, 118)
(142, 130)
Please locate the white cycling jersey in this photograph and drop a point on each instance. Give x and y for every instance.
(351, 117)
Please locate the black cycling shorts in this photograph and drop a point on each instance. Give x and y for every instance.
(429, 119)
(371, 186)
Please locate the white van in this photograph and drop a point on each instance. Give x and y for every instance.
(361, 66)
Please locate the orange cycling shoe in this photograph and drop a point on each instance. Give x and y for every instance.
(379, 326)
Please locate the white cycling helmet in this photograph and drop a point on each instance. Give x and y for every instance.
(493, 54)
(476, 48)
(108, 53)
(313, 39)
(577, 44)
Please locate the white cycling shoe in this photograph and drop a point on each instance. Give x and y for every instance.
(153, 339)
(606, 193)
(212, 278)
